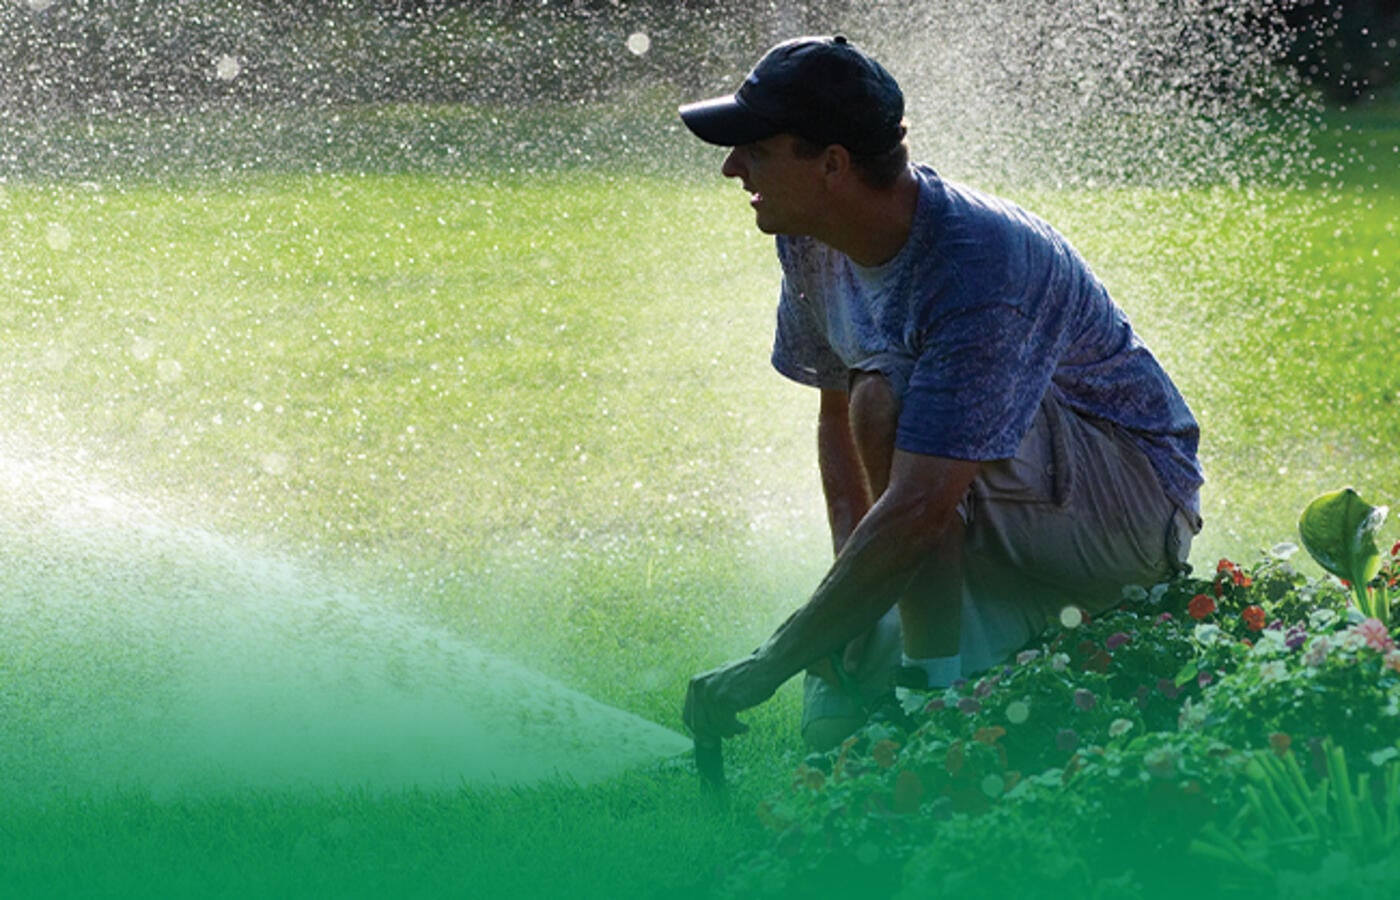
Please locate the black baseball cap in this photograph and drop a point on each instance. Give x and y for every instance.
(819, 88)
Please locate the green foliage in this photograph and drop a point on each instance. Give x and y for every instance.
(1136, 752)
(1339, 530)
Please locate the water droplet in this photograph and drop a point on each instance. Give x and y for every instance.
(227, 68)
(1017, 712)
(58, 237)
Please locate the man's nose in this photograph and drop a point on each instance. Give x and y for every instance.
(733, 164)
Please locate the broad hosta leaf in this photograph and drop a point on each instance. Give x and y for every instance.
(1339, 530)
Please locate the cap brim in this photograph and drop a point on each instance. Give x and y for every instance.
(725, 121)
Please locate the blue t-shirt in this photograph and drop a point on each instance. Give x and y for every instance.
(984, 310)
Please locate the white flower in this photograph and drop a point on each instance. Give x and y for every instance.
(1321, 619)
(1134, 593)
(1381, 757)
(1206, 634)
(1059, 662)
(1270, 642)
(1352, 640)
(1283, 550)
(1158, 592)
(1120, 727)
(1273, 670)
(1027, 656)
(1192, 716)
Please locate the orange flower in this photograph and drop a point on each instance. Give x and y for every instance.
(989, 735)
(1254, 618)
(812, 779)
(908, 791)
(1280, 743)
(954, 760)
(1200, 606)
(884, 753)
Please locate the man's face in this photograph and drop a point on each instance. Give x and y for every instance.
(785, 189)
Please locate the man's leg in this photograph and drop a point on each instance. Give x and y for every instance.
(930, 614)
(1078, 514)
(931, 611)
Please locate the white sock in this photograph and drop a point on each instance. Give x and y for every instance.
(942, 670)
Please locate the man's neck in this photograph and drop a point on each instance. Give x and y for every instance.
(876, 227)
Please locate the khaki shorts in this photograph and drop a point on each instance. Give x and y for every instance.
(1075, 516)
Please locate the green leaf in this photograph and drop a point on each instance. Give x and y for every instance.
(1188, 673)
(1339, 530)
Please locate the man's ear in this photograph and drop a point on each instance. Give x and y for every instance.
(836, 163)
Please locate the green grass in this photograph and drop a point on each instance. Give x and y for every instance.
(535, 408)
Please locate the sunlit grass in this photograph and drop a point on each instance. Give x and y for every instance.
(539, 409)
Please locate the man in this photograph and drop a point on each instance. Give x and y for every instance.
(995, 443)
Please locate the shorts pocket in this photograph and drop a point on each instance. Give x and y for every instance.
(1040, 470)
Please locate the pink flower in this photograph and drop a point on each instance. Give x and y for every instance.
(1026, 656)
(1376, 635)
(1317, 653)
(1392, 660)
(1116, 640)
(1066, 739)
(969, 706)
(1085, 700)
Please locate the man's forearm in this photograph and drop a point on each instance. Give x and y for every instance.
(880, 558)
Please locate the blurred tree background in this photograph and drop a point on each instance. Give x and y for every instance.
(74, 56)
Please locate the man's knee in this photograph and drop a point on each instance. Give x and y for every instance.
(828, 732)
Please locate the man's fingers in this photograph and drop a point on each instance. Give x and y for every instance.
(706, 715)
(824, 670)
(854, 654)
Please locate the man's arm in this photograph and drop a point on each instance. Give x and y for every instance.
(902, 529)
(844, 483)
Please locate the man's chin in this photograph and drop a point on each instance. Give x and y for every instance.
(772, 228)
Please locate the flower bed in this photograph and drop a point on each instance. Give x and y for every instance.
(1237, 735)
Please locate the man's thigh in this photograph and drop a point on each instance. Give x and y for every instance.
(1078, 514)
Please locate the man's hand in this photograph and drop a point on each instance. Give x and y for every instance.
(851, 658)
(715, 698)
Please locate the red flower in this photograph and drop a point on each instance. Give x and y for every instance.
(1200, 606)
(1234, 572)
(1254, 618)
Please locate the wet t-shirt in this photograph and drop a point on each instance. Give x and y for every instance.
(984, 310)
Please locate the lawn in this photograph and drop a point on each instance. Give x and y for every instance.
(532, 408)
